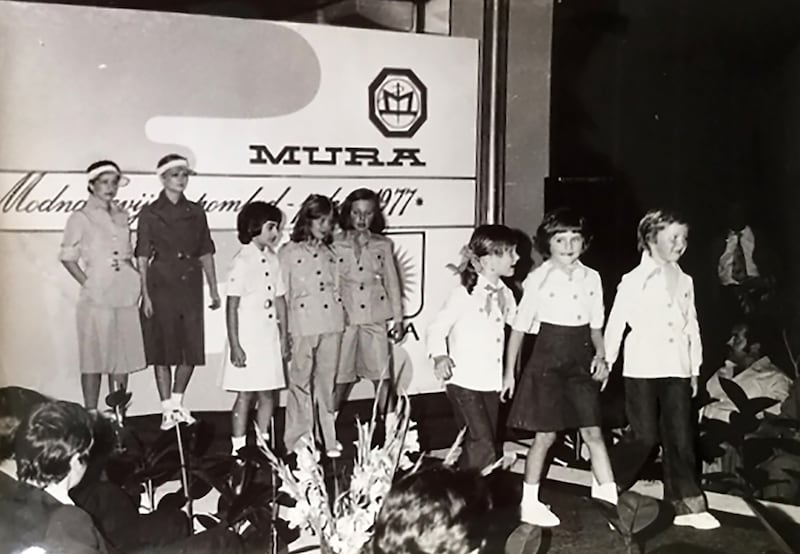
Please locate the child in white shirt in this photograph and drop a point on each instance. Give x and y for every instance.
(663, 354)
(559, 387)
(466, 338)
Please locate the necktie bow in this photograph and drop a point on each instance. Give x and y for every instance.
(491, 294)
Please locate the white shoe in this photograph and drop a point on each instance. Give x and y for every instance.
(537, 513)
(606, 492)
(700, 520)
(182, 415)
(335, 451)
(168, 420)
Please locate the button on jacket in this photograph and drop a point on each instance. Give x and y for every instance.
(473, 338)
(312, 289)
(101, 239)
(665, 337)
(551, 295)
(174, 237)
(370, 284)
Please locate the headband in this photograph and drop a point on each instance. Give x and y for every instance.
(178, 162)
(106, 168)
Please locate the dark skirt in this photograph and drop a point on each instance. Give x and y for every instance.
(175, 335)
(556, 390)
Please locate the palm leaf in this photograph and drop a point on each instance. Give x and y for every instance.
(455, 449)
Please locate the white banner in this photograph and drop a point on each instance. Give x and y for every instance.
(263, 110)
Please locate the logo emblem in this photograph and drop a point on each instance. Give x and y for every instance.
(398, 102)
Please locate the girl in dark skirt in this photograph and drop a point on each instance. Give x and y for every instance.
(560, 385)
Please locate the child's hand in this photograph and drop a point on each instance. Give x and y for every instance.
(599, 370)
(238, 357)
(286, 347)
(509, 383)
(396, 331)
(443, 367)
(147, 306)
(215, 301)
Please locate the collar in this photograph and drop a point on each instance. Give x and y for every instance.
(648, 267)
(94, 203)
(251, 249)
(163, 202)
(745, 232)
(549, 267)
(483, 282)
(9, 467)
(57, 491)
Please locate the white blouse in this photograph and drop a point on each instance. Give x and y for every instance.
(473, 337)
(665, 337)
(551, 295)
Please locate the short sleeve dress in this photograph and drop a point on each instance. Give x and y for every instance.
(256, 279)
(174, 237)
(109, 333)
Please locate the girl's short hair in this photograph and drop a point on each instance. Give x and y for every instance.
(253, 216)
(653, 222)
(433, 510)
(345, 219)
(314, 207)
(485, 240)
(560, 220)
(47, 440)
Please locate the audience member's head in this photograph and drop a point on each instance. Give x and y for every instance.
(53, 443)
(15, 405)
(433, 511)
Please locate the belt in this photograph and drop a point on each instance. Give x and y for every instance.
(172, 257)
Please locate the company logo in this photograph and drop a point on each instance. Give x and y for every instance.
(398, 102)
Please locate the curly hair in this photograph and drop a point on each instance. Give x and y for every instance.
(653, 222)
(316, 206)
(253, 216)
(433, 511)
(47, 440)
(378, 223)
(560, 220)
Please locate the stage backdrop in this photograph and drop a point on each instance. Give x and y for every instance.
(264, 110)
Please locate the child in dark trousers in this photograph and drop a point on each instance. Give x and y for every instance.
(662, 362)
(465, 340)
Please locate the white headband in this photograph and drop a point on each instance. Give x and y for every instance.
(178, 162)
(106, 168)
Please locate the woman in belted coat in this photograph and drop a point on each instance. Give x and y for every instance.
(174, 249)
(96, 251)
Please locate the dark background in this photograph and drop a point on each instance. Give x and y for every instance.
(683, 104)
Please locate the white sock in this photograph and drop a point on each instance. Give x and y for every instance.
(177, 398)
(237, 443)
(530, 491)
(166, 405)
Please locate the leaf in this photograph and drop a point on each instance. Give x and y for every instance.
(735, 393)
(198, 488)
(744, 423)
(636, 512)
(202, 438)
(525, 539)
(119, 397)
(206, 521)
(455, 449)
(757, 405)
(784, 531)
(173, 500)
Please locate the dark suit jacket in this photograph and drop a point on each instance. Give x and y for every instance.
(31, 517)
